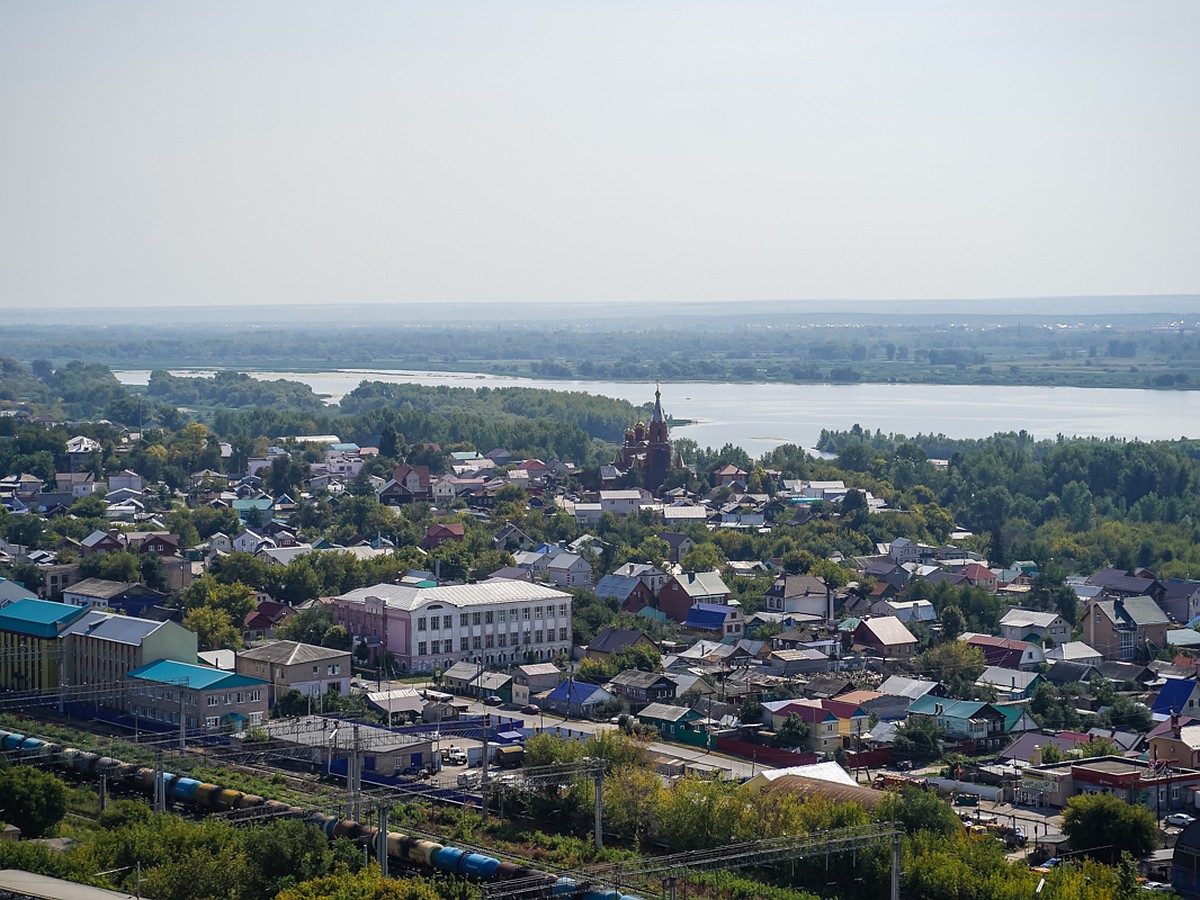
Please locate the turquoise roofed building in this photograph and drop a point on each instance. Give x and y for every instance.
(30, 645)
(198, 697)
(254, 510)
(963, 720)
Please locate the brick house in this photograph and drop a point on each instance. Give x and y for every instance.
(1119, 629)
(677, 597)
(442, 533)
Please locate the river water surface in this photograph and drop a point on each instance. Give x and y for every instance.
(761, 416)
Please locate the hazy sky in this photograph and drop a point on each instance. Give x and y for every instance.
(270, 152)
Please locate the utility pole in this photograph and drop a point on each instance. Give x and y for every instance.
(103, 791)
(381, 840)
(895, 867)
(160, 787)
(483, 778)
(599, 809)
(62, 678)
(354, 776)
(182, 722)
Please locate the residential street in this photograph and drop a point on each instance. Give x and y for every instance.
(550, 722)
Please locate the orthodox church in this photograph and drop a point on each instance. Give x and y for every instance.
(648, 449)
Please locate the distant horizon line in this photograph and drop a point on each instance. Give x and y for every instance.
(660, 304)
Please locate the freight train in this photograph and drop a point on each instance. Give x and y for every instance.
(210, 797)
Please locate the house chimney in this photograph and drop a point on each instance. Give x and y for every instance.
(1035, 755)
(1176, 731)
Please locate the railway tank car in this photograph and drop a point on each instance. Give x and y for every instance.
(211, 797)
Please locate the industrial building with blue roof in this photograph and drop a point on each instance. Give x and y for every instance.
(30, 648)
(208, 699)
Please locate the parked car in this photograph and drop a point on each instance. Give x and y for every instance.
(530, 710)
(493, 700)
(1179, 820)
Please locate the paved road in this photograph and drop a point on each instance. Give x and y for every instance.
(736, 767)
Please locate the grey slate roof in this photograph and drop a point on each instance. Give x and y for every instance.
(290, 652)
(98, 588)
(664, 712)
(612, 640)
(637, 678)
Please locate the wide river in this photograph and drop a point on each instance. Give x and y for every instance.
(761, 416)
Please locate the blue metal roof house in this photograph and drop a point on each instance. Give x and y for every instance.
(715, 621)
(1178, 695)
(576, 698)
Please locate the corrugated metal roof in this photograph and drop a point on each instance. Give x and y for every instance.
(168, 671)
(109, 627)
(1028, 618)
(664, 712)
(831, 772)
(576, 691)
(38, 618)
(494, 590)
(702, 584)
(889, 631)
(43, 887)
